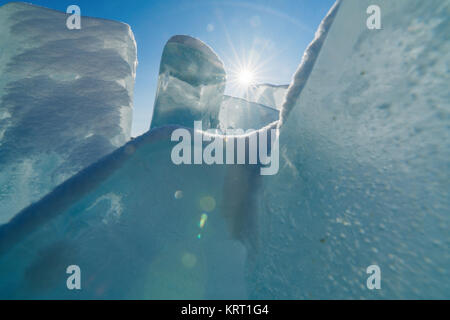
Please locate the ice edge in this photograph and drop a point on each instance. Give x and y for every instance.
(307, 64)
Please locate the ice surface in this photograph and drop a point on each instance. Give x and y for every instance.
(364, 162)
(190, 85)
(236, 113)
(66, 98)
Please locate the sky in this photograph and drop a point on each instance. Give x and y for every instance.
(267, 36)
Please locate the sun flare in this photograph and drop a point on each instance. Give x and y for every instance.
(245, 77)
(246, 69)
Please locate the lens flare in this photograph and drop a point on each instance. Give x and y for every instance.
(245, 77)
(203, 220)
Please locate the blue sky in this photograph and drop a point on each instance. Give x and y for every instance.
(272, 33)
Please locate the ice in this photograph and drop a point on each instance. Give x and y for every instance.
(66, 98)
(131, 222)
(364, 162)
(267, 94)
(190, 85)
(102, 212)
(236, 113)
(363, 181)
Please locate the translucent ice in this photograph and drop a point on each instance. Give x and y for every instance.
(267, 94)
(133, 223)
(190, 85)
(66, 98)
(101, 211)
(238, 113)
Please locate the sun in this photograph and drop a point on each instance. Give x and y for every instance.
(245, 77)
(244, 72)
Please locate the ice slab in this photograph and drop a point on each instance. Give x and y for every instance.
(133, 223)
(236, 113)
(190, 85)
(65, 98)
(364, 162)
